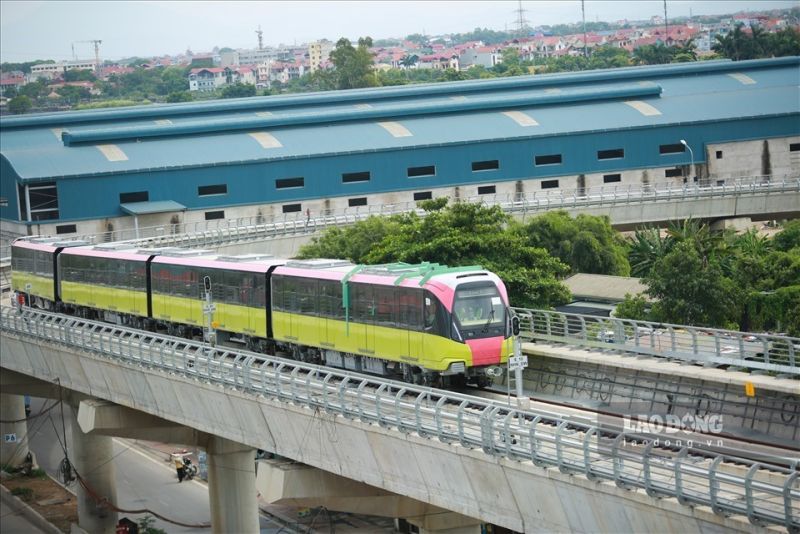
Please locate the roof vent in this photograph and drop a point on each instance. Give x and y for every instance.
(114, 246)
(318, 264)
(242, 258)
(155, 251)
(67, 244)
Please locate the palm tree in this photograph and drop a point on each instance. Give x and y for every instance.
(646, 248)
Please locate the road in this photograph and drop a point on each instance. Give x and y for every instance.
(143, 480)
(14, 523)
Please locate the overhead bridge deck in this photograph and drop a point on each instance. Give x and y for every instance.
(519, 469)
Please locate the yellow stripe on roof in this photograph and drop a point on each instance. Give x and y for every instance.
(521, 118)
(744, 79)
(162, 122)
(395, 128)
(643, 107)
(263, 114)
(112, 152)
(266, 140)
(57, 132)
(552, 91)
(363, 106)
(458, 98)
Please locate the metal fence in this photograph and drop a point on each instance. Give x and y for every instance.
(765, 494)
(704, 346)
(207, 233)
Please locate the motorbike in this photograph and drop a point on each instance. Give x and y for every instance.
(190, 469)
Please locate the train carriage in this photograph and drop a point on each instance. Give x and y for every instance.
(238, 287)
(34, 275)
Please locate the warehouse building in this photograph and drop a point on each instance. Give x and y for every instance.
(93, 171)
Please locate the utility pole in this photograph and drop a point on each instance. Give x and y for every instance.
(260, 38)
(583, 16)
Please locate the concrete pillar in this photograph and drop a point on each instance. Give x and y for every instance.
(232, 487)
(14, 446)
(92, 456)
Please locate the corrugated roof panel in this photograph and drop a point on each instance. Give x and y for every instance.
(643, 107)
(742, 78)
(395, 128)
(521, 118)
(112, 152)
(265, 139)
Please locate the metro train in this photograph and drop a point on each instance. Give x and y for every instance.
(425, 323)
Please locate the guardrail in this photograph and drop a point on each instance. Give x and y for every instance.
(765, 494)
(204, 233)
(697, 345)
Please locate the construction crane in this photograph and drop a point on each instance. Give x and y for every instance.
(260, 37)
(96, 43)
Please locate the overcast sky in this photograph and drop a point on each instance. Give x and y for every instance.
(46, 30)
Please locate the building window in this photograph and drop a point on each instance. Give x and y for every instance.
(138, 196)
(416, 172)
(43, 201)
(351, 177)
(485, 165)
(212, 215)
(794, 147)
(550, 184)
(487, 190)
(291, 208)
(673, 173)
(549, 159)
(208, 190)
(66, 229)
(423, 195)
(360, 201)
(719, 154)
(612, 178)
(676, 148)
(615, 153)
(720, 183)
(288, 183)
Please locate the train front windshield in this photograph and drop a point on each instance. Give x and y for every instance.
(479, 311)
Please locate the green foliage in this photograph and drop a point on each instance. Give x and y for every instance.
(111, 104)
(633, 307)
(146, 526)
(79, 75)
(20, 104)
(73, 94)
(739, 45)
(692, 290)
(34, 90)
(789, 237)
(489, 37)
(646, 247)
(588, 244)
(353, 65)
(238, 90)
(180, 96)
(461, 234)
(24, 67)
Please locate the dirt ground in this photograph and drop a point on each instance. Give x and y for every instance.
(50, 500)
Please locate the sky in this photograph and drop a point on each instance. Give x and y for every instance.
(49, 29)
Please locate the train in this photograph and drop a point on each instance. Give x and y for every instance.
(421, 323)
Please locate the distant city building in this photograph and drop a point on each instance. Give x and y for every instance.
(54, 70)
(318, 54)
(213, 78)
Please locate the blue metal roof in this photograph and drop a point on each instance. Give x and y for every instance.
(302, 126)
(155, 206)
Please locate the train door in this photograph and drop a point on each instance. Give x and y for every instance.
(411, 321)
(364, 308)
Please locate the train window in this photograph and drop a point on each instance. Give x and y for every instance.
(362, 303)
(435, 316)
(307, 295)
(385, 306)
(410, 308)
(330, 299)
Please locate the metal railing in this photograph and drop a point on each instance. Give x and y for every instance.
(697, 345)
(765, 494)
(205, 233)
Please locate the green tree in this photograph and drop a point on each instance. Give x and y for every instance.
(238, 90)
(789, 237)
(73, 94)
(588, 244)
(692, 291)
(353, 65)
(34, 90)
(633, 307)
(20, 104)
(646, 247)
(654, 54)
(79, 75)
(180, 96)
(351, 243)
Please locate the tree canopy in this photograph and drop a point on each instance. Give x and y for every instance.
(353, 65)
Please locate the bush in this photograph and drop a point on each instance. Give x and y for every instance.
(26, 494)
